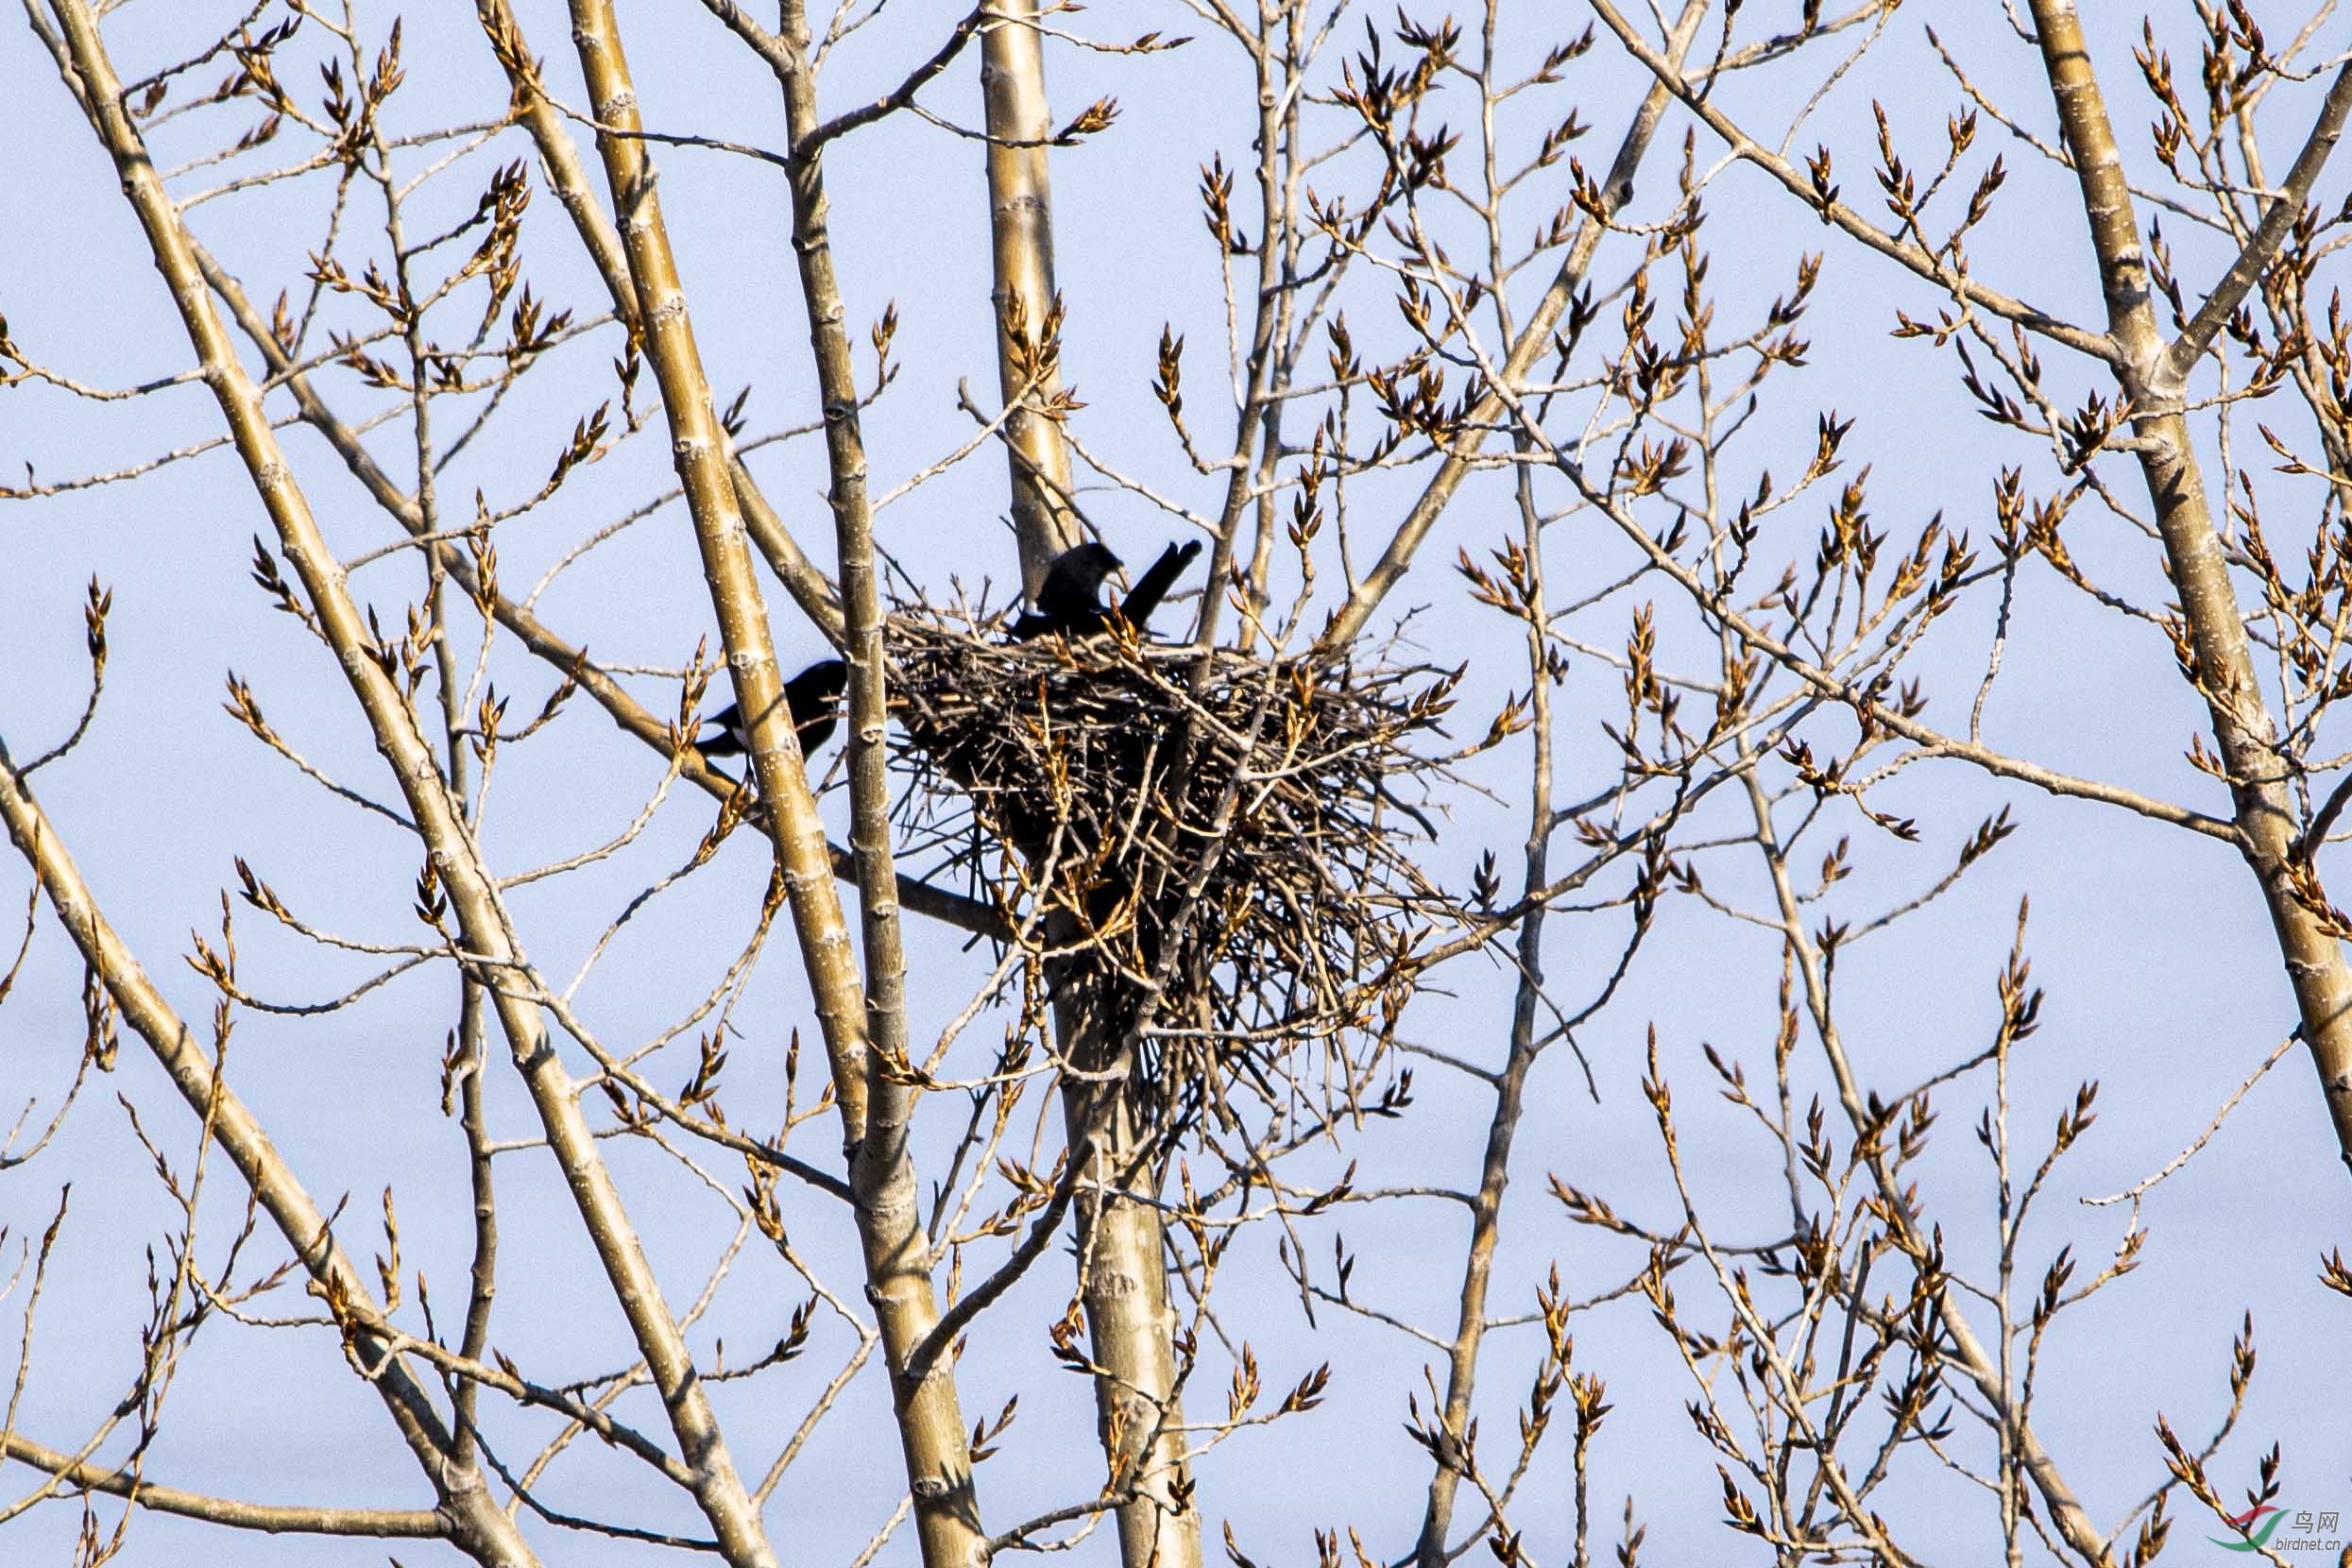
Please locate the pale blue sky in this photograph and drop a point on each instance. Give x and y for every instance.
(2164, 983)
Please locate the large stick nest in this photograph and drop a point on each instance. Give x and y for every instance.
(1211, 858)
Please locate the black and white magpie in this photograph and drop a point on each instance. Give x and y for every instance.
(813, 698)
(1070, 602)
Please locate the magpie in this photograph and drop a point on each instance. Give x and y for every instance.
(1070, 602)
(813, 698)
(1070, 599)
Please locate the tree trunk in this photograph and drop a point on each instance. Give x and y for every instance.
(2261, 801)
(1122, 1255)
